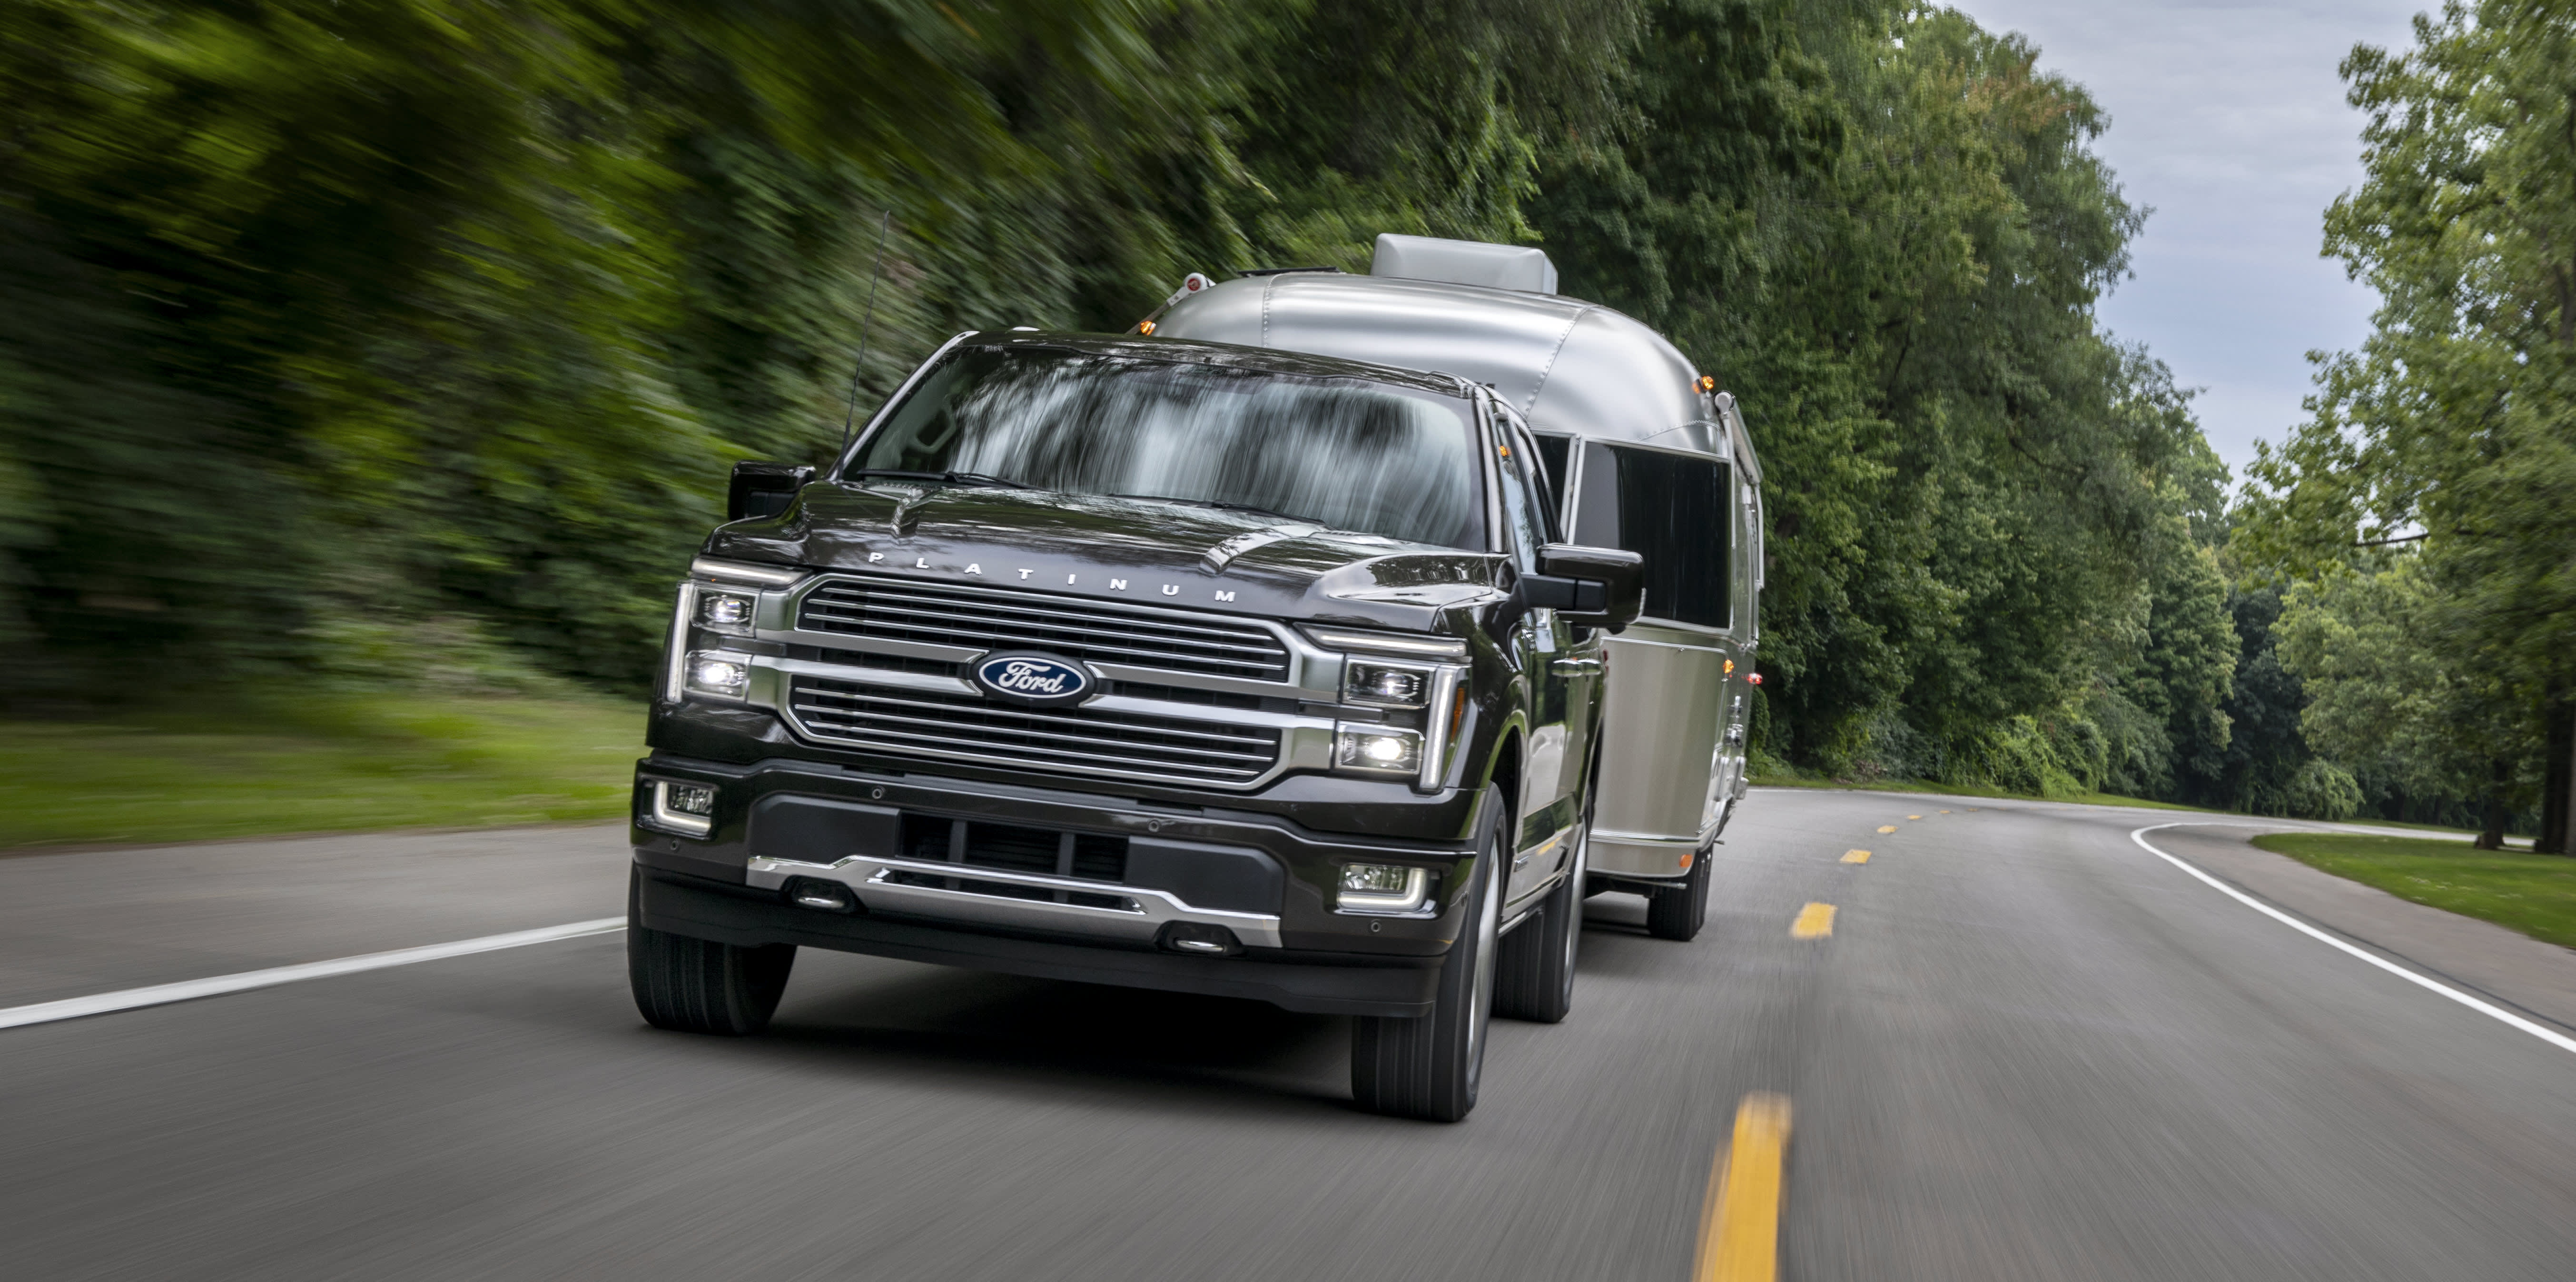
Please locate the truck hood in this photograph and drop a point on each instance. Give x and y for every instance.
(1154, 553)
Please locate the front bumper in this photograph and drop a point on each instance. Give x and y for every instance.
(1262, 877)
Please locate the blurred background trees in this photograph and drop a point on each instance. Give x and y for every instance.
(342, 339)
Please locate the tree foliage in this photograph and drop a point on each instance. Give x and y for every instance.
(331, 327)
(2449, 437)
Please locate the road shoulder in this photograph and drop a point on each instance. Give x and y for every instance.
(2499, 964)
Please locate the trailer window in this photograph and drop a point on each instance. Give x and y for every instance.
(1674, 512)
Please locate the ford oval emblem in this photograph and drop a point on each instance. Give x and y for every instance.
(1038, 679)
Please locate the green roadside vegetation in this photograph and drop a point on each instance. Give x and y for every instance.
(1791, 779)
(321, 762)
(2534, 894)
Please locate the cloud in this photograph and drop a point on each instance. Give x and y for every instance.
(2229, 121)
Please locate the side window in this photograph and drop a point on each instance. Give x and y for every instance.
(1555, 451)
(1677, 511)
(1596, 506)
(1521, 505)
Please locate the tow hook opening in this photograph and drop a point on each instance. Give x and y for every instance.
(1199, 938)
(821, 895)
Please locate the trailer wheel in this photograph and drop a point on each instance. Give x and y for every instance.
(1676, 912)
(1428, 1066)
(1534, 971)
(700, 986)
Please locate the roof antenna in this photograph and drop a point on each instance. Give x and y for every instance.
(866, 323)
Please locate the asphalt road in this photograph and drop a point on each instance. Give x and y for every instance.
(2029, 1048)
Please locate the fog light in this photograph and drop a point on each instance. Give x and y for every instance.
(684, 807)
(1384, 685)
(1382, 888)
(1376, 748)
(728, 612)
(719, 674)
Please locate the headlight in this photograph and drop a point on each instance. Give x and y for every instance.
(1377, 748)
(1385, 685)
(718, 674)
(725, 612)
(1382, 888)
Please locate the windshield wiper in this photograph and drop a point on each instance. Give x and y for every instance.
(1219, 505)
(944, 478)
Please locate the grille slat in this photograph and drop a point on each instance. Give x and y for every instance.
(991, 619)
(942, 613)
(1076, 727)
(925, 723)
(1064, 640)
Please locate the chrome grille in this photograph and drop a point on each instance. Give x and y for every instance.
(1003, 619)
(1073, 740)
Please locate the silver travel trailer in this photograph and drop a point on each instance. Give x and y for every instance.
(1642, 453)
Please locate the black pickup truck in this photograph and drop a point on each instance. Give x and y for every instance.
(1135, 661)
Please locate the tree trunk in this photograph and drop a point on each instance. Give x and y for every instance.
(2493, 837)
(2558, 780)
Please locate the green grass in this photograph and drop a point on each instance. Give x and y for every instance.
(2534, 894)
(317, 763)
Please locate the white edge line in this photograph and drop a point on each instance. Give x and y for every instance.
(189, 990)
(2551, 1036)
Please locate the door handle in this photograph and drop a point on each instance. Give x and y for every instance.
(1574, 667)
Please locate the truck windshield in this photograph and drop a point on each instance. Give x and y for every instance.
(1342, 453)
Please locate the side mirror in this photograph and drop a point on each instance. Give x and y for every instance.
(764, 489)
(1596, 587)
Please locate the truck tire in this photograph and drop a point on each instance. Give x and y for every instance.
(1534, 969)
(1428, 1066)
(700, 986)
(1676, 912)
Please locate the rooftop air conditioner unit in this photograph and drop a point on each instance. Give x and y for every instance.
(1464, 262)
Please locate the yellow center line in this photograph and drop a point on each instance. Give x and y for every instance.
(1945, 812)
(1855, 856)
(1739, 1226)
(1815, 921)
(1914, 816)
(1887, 827)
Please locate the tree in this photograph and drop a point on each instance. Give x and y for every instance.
(2453, 427)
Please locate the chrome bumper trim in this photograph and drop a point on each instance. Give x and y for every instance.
(867, 876)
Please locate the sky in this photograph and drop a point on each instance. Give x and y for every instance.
(2228, 121)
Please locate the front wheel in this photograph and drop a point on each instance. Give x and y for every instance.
(700, 986)
(1677, 912)
(1534, 971)
(1428, 1066)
